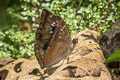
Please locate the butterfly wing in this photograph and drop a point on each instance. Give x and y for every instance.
(53, 41)
(60, 44)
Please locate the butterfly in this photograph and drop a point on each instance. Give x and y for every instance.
(52, 40)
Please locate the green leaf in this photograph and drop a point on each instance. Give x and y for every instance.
(114, 57)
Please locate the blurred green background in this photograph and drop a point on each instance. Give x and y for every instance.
(20, 18)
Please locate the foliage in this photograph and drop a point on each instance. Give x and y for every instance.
(16, 44)
(78, 15)
(114, 57)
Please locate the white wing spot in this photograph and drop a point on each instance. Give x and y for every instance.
(51, 32)
(61, 30)
(60, 37)
(54, 23)
(51, 16)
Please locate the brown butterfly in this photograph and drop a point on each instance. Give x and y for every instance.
(53, 41)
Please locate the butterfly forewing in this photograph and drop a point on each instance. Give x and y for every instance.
(59, 45)
(53, 41)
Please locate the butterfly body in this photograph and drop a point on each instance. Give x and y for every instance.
(53, 41)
